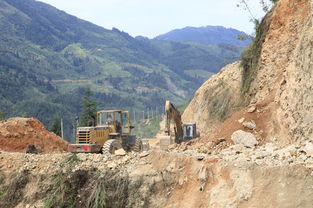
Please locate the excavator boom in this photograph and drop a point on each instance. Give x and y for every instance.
(173, 114)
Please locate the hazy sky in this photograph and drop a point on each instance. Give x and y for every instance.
(153, 17)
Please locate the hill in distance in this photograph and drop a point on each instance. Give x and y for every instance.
(207, 35)
(48, 58)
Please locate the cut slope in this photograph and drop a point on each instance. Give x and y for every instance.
(285, 71)
(17, 133)
(281, 83)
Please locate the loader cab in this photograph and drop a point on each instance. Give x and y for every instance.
(117, 121)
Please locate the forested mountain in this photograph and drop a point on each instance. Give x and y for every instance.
(207, 35)
(48, 58)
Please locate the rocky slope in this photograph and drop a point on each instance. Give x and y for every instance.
(284, 75)
(215, 100)
(277, 90)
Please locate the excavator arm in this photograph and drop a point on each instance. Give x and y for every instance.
(171, 113)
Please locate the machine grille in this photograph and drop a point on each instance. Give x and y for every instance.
(83, 137)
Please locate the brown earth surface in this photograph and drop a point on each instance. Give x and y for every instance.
(281, 88)
(17, 133)
(209, 171)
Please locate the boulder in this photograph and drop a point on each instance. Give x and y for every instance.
(245, 138)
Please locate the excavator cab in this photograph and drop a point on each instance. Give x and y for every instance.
(189, 131)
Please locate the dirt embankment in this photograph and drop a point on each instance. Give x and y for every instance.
(17, 133)
(210, 171)
(236, 177)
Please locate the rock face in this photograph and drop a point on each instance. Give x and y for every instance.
(280, 98)
(17, 133)
(215, 100)
(284, 75)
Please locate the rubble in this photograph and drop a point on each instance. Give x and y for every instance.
(308, 149)
(143, 154)
(120, 152)
(241, 120)
(251, 109)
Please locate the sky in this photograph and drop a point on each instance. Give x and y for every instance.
(150, 18)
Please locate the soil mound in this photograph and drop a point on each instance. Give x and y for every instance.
(17, 133)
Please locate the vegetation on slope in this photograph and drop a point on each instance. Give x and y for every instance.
(250, 57)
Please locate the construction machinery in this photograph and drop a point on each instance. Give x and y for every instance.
(111, 132)
(180, 131)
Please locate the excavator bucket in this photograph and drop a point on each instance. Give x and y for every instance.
(166, 141)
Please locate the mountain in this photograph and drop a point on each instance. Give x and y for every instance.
(207, 35)
(48, 58)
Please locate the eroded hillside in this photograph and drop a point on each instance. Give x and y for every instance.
(274, 92)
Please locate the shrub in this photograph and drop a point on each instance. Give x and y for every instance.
(251, 55)
(12, 194)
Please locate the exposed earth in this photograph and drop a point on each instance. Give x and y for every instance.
(255, 147)
(17, 133)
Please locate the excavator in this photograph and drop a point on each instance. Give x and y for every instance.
(111, 132)
(181, 131)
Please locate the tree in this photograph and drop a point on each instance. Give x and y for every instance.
(265, 4)
(56, 125)
(1, 115)
(89, 108)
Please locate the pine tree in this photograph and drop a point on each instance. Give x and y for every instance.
(56, 125)
(89, 108)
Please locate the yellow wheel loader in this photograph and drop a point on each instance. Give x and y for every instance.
(111, 132)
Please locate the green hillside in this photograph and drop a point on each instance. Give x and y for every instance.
(48, 58)
(207, 35)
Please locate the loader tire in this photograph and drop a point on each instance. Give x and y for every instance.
(110, 146)
(138, 147)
